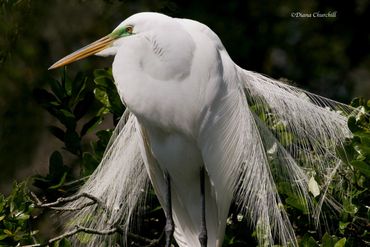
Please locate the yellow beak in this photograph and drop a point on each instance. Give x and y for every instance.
(86, 51)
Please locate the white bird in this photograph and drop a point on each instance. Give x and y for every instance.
(205, 132)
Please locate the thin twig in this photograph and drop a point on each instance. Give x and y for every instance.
(53, 205)
(73, 208)
(78, 229)
(65, 199)
(94, 200)
(150, 242)
(155, 242)
(85, 230)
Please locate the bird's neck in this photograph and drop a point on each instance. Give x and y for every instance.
(163, 55)
(152, 77)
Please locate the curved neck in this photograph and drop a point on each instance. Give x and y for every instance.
(164, 54)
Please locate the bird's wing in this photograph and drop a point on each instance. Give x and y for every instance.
(235, 156)
(119, 183)
(236, 161)
(263, 134)
(297, 134)
(266, 134)
(308, 127)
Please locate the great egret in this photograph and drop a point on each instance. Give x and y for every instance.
(205, 132)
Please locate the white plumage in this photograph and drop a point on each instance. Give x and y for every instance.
(191, 106)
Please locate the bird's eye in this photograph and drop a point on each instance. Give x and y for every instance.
(129, 29)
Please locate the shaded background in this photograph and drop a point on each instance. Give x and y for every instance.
(328, 56)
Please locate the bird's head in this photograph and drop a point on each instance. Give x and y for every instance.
(138, 24)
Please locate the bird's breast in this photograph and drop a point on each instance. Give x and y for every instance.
(172, 107)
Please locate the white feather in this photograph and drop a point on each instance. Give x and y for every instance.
(193, 107)
(120, 183)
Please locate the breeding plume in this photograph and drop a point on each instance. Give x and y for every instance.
(205, 133)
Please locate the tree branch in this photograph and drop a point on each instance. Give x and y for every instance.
(78, 229)
(150, 242)
(94, 200)
(54, 205)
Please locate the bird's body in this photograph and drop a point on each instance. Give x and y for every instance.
(174, 122)
(190, 111)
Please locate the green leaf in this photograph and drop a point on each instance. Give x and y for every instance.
(363, 167)
(308, 241)
(43, 97)
(65, 117)
(297, 203)
(341, 242)
(22, 216)
(346, 153)
(2, 202)
(40, 182)
(18, 198)
(102, 96)
(83, 106)
(117, 107)
(63, 243)
(7, 224)
(57, 89)
(78, 85)
(104, 136)
(100, 146)
(7, 232)
(327, 241)
(61, 182)
(106, 92)
(103, 72)
(343, 226)
(352, 124)
(365, 139)
(286, 189)
(67, 85)
(90, 163)
(89, 125)
(349, 207)
(158, 208)
(355, 102)
(102, 82)
(67, 113)
(3, 236)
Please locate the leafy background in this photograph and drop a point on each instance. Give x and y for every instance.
(328, 56)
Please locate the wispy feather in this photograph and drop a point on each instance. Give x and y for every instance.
(271, 132)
